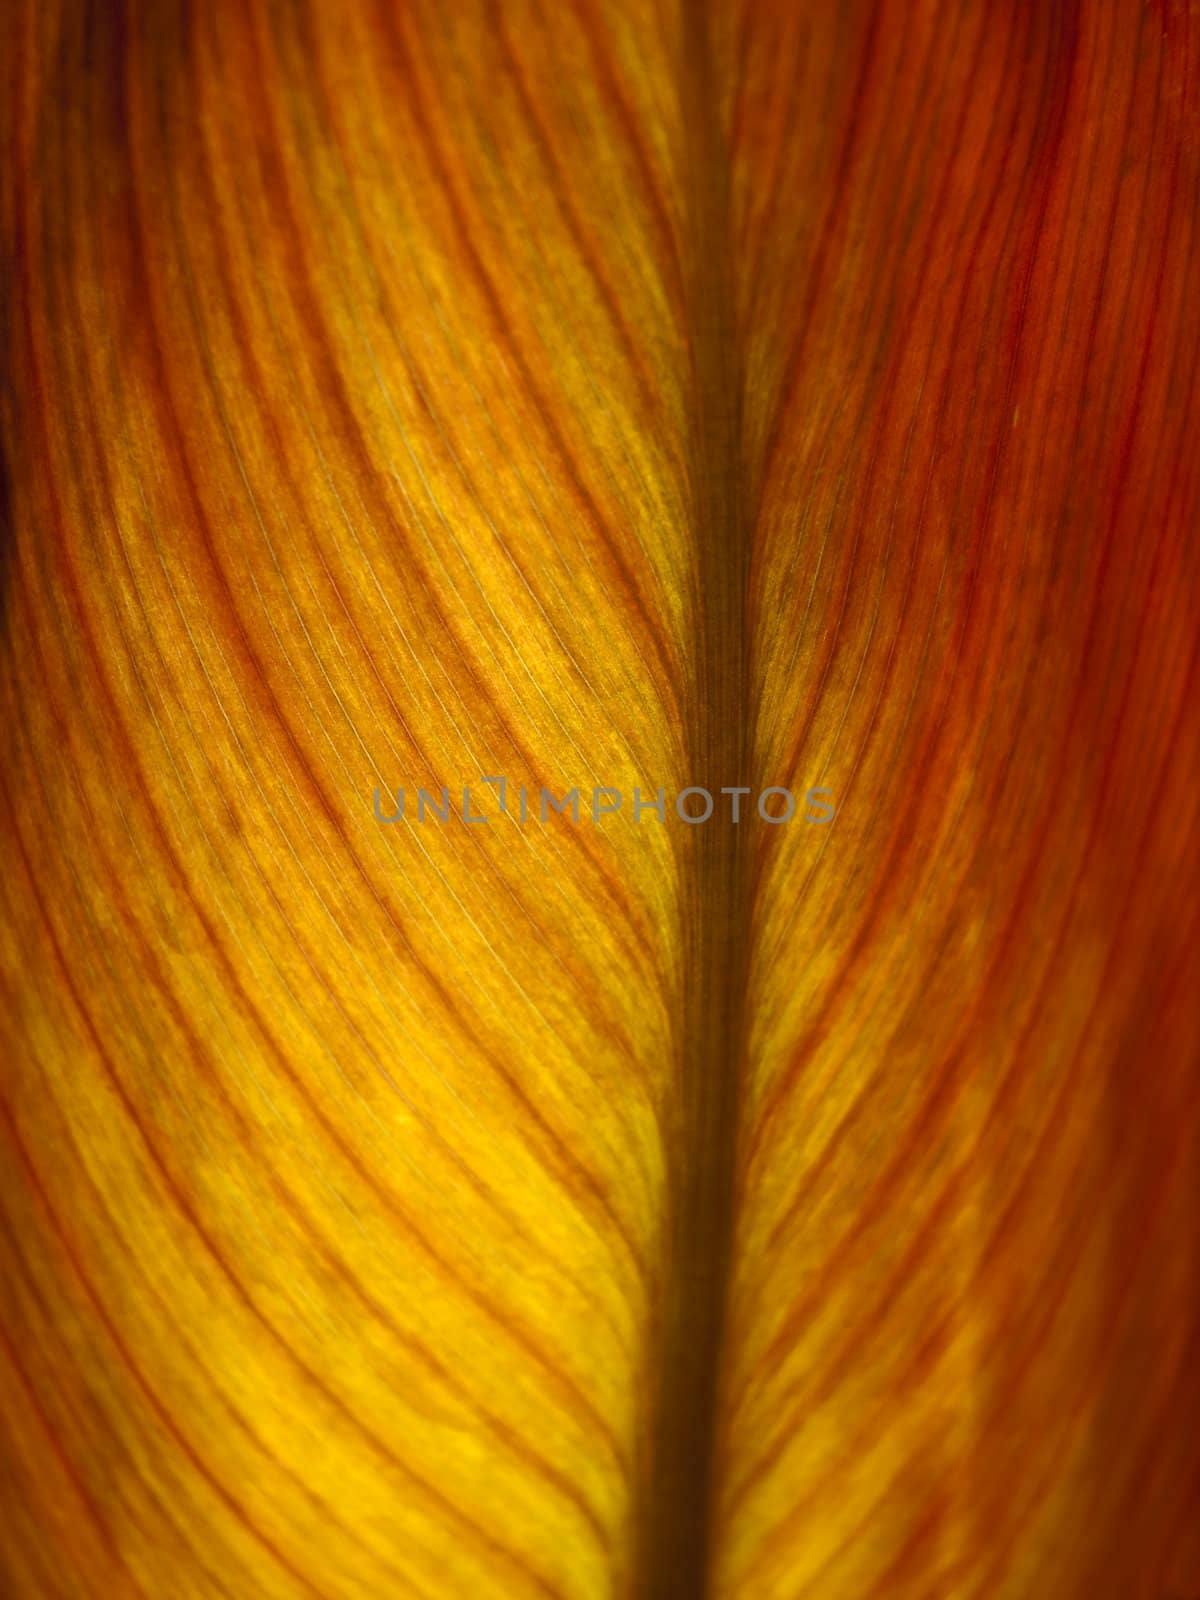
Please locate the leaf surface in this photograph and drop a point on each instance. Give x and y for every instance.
(600, 397)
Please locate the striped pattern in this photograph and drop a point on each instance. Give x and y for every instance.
(644, 393)
(962, 1357)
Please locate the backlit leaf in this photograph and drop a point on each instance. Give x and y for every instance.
(612, 398)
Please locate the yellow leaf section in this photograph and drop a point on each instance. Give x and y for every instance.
(345, 410)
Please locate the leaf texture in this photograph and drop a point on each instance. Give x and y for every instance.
(629, 396)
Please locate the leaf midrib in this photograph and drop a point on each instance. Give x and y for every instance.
(676, 1513)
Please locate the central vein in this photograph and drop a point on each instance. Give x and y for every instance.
(677, 1510)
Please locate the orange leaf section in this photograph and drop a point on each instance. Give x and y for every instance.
(600, 396)
(962, 1357)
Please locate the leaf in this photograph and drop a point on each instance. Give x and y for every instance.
(600, 397)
